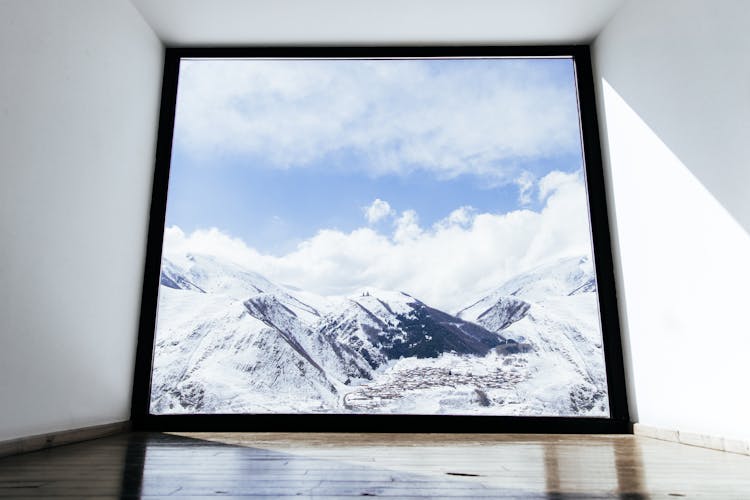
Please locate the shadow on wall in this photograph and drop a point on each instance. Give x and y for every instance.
(681, 65)
(683, 254)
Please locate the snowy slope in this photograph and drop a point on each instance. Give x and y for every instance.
(229, 340)
(570, 276)
(211, 275)
(213, 356)
(554, 309)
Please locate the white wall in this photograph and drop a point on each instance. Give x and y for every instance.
(242, 22)
(79, 97)
(674, 91)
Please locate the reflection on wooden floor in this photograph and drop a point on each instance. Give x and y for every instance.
(384, 465)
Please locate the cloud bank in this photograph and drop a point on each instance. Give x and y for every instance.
(448, 118)
(447, 265)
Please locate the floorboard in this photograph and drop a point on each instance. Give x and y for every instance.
(248, 465)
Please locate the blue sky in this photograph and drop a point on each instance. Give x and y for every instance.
(273, 152)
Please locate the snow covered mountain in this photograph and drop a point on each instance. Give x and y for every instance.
(554, 310)
(208, 274)
(222, 328)
(229, 340)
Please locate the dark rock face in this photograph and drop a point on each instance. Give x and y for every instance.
(505, 312)
(419, 331)
(178, 282)
(430, 332)
(588, 286)
(510, 346)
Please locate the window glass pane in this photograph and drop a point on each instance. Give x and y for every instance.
(378, 236)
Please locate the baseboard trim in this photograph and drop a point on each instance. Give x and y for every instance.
(693, 439)
(52, 439)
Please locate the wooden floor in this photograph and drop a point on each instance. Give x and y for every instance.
(384, 465)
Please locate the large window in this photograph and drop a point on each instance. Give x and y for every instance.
(378, 232)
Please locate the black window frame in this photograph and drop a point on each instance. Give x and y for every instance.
(619, 420)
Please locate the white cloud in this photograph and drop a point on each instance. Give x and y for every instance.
(407, 227)
(207, 241)
(525, 183)
(554, 181)
(378, 210)
(447, 266)
(395, 116)
(462, 216)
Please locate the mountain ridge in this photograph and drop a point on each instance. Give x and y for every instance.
(290, 356)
